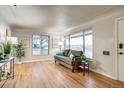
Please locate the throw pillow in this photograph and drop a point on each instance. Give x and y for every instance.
(66, 52)
(69, 53)
(71, 56)
(60, 53)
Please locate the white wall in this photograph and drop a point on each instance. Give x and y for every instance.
(3, 27)
(103, 39)
(28, 51)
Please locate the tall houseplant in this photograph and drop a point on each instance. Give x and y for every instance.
(20, 52)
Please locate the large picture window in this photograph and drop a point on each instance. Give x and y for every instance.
(76, 41)
(40, 45)
(66, 42)
(81, 41)
(88, 43)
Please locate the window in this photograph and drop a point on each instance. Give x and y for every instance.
(76, 41)
(81, 41)
(40, 45)
(88, 44)
(66, 42)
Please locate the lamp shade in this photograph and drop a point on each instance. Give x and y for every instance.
(60, 43)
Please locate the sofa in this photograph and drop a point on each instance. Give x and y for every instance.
(72, 63)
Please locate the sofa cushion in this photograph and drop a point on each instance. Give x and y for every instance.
(76, 53)
(64, 59)
(66, 52)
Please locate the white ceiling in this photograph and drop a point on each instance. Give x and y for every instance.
(50, 18)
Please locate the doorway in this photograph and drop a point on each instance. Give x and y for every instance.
(120, 49)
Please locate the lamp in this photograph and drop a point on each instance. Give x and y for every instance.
(60, 44)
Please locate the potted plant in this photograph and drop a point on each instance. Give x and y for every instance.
(83, 58)
(20, 52)
(2, 73)
(7, 50)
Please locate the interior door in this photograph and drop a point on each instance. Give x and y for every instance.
(121, 50)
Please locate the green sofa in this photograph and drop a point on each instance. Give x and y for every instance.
(67, 61)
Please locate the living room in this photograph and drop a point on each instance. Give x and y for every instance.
(47, 31)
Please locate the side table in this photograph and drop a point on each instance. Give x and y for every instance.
(3, 65)
(84, 65)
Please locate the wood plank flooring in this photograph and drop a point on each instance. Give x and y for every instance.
(46, 74)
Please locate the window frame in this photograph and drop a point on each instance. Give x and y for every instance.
(40, 43)
(65, 42)
(84, 34)
(91, 33)
(80, 35)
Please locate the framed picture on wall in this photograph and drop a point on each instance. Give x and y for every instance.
(25, 41)
(55, 43)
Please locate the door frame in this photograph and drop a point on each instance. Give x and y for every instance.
(116, 48)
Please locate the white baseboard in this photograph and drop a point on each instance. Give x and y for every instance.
(104, 74)
(36, 60)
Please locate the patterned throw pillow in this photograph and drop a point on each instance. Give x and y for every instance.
(71, 56)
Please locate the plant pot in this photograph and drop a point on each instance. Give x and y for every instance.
(8, 56)
(20, 62)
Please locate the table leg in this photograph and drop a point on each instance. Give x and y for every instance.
(10, 68)
(55, 61)
(88, 69)
(84, 70)
(0, 72)
(13, 68)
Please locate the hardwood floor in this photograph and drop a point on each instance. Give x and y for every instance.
(49, 75)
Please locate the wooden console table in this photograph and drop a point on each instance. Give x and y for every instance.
(4, 65)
